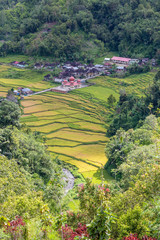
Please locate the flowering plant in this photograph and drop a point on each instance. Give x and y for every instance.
(69, 234)
(135, 237)
(15, 228)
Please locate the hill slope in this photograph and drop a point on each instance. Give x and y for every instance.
(80, 30)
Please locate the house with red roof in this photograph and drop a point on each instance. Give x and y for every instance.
(68, 85)
(72, 83)
(121, 60)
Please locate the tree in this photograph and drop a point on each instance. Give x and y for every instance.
(29, 153)
(130, 111)
(91, 197)
(111, 100)
(117, 149)
(100, 227)
(153, 94)
(9, 113)
(132, 222)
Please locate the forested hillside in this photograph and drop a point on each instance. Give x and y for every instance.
(79, 29)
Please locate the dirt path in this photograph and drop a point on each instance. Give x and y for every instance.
(69, 179)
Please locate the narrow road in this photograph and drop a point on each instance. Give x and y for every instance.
(46, 90)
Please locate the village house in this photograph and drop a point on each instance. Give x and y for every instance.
(19, 64)
(153, 62)
(121, 60)
(16, 92)
(144, 61)
(14, 63)
(38, 66)
(72, 83)
(134, 61)
(120, 69)
(69, 85)
(108, 65)
(47, 77)
(99, 66)
(106, 60)
(92, 72)
(58, 80)
(22, 91)
(107, 73)
(22, 64)
(49, 66)
(26, 91)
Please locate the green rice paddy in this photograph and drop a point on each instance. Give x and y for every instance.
(74, 123)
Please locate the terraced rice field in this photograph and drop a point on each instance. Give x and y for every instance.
(136, 83)
(73, 129)
(11, 77)
(73, 123)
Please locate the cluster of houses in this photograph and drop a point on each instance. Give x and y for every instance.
(110, 65)
(122, 63)
(46, 66)
(87, 71)
(22, 91)
(82, 71)
(121, 60)
(129, 61)
(73, 75)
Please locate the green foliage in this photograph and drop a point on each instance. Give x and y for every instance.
(91, 197)
(3, 220)
(130, 151)
(46, 220)
(152, 211)
(9, 113)
(111, 100)
(29, 153)
(118, 148)
(132, 222)
(130, 111)
(27, 205)
(100, 227)
(136, 162)
(55, 185)
(13, 181)
(16, 195)
(130, 205)
(153, 93)
(135, 68)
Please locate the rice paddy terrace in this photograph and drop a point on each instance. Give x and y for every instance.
(74, 124)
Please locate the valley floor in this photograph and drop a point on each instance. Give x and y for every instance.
(74, 124)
